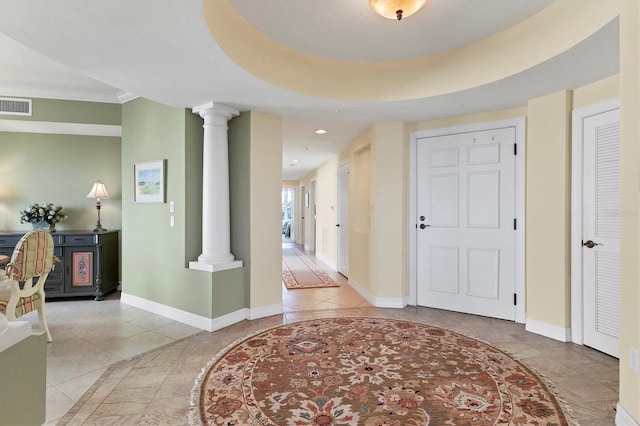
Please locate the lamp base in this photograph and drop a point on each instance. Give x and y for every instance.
(99, 229)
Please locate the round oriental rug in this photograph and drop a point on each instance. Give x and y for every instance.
(369, 371)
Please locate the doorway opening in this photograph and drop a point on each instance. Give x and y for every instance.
(288, 214)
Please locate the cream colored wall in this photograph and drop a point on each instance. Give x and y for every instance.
(548, 210)
(360, 209)
(388, 242)
(326, 213)
(599, 91)
(462, 120)
(629, 203)
(265, 200)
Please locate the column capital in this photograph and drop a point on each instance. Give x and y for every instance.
(212, 109)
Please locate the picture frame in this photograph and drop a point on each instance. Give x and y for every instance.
(149, 181)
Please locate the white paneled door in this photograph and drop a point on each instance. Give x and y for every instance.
(601, 231)
(465, 234)
(343, 219)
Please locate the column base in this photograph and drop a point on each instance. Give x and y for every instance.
(214, 267)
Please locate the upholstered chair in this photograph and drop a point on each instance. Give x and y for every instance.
(30, 264)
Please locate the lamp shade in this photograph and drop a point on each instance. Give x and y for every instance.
(98, 191)
(390, 8)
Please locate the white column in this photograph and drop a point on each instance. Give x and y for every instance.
(216, 225)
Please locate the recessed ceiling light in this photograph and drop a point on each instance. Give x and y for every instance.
(296, 161)
(320, 131)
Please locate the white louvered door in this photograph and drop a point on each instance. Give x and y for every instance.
(601, 226)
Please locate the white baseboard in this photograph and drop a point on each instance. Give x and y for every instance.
(329, 263)
(623, 418)
(265, 311)
(379, 302)
(198, 321)
(548, 330)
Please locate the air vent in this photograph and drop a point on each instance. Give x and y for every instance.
(15, 106)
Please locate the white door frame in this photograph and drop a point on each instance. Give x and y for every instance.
(412, 220)
(341, 164)
(577, 299)
(310, 243)
(303, 212)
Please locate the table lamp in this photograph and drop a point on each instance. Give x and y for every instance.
(98, 191)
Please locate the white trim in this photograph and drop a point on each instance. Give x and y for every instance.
(198, 321)
(519, 124)
(623, 418)
(228, 319)
(329, 263)
(208, 267)
(412, 220)
(170, 312)
(379, 302)
(125, 97)
(343, 163)
(265, 311)
(578, 117)
(520, 196)
(51, 127)
(548, 330)
(106, 96)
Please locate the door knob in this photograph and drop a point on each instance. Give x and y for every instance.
(338, 225)
(590, 244)
(422, 226)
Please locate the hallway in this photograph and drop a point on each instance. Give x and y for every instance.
(315, 299)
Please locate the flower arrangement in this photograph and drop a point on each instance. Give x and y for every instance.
(45, 212)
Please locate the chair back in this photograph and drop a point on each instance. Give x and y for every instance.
(32, 256)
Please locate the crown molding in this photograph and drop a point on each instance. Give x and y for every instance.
(125, 97)
(50, 127)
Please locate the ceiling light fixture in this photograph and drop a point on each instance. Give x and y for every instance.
(320, 132)
(396, 9)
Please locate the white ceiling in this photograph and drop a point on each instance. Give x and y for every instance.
(163, 50)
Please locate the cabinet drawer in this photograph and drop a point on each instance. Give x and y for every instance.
(10, 241)
(78, 240)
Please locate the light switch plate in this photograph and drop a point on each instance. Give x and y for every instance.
(172, 207)
(172, 221)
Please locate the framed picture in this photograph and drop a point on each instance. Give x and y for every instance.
(149, 182)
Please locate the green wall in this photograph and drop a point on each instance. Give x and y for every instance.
(154, 255)
(41, 167)
(72, 112)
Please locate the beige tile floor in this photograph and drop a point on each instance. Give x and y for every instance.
(114, 364)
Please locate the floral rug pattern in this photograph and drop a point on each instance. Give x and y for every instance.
(372, 372)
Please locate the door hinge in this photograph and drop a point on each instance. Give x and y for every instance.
(515, 299)
(515, 149)
(515, 223)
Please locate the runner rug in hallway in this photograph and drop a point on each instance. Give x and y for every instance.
(298, 271)
(369, 371)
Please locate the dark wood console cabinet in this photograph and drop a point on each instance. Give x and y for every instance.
(89, 262)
